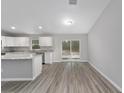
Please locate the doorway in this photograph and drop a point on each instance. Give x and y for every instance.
(71, 49)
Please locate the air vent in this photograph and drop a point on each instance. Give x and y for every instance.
(72, 2)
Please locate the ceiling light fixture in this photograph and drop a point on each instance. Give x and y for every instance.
(13, 27)
(68, 22)
(40, 27)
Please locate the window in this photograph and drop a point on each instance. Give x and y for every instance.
(35, 44)
(70, 49)
(66, 48)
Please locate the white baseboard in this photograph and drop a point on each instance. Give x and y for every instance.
(17, 79)
(113, 83)
(70, 60)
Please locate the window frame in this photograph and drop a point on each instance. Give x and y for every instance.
(62, 57)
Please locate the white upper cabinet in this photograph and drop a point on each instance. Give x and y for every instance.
(9, 41)
(3, 41)
(22, 41)
(17, 41)
(46, 41)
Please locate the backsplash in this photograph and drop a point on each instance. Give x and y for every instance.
(16, 49)
(26, 49)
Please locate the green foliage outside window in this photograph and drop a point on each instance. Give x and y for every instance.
(35, 44)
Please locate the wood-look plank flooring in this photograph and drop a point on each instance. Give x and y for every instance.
(68, 77)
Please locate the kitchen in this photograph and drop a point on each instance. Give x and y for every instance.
(61, 46)
(31, 52)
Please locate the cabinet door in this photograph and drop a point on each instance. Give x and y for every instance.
(16, 41)
(45, 41)
(21, 41)
(48, 57)
(3, 41)
(9, 41)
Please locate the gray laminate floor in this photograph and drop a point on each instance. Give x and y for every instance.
(68, 77)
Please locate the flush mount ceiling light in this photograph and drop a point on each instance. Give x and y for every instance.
(40, 27)
(68, 22)
(12, 27)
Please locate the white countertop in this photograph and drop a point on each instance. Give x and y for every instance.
(18, 55)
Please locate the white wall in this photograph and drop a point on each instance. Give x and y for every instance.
(58, 40)
(104, 41)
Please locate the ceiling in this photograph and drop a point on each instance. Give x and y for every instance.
(27, 15)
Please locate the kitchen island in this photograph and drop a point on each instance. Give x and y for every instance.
(20, 66)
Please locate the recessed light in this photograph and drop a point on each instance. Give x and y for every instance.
(40, 27)
(13, 27)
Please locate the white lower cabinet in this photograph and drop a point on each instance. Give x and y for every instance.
(48, 57)
(21, 68)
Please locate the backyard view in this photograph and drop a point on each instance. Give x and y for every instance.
(70, 49)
